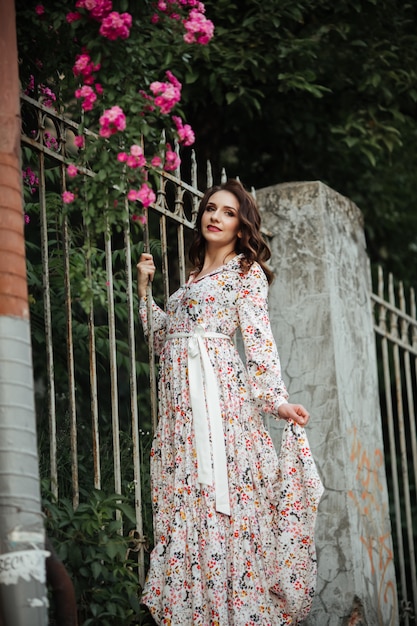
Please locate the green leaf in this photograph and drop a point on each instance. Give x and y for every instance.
(112, 549)
(370, 156)
(96, 569)
(231, 97)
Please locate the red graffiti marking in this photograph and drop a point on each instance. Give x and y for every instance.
(368, 503)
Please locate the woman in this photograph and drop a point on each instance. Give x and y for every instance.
(218, 556)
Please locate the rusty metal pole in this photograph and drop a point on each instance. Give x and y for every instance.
(23, 597)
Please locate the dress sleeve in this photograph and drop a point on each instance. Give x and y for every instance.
(159, 318)
(262, 360)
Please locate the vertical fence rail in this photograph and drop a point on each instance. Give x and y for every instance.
(95, 433)
(113, 365)
(164, 251)
(411, 395)
(48, 328)
(71, 367)
(151, 351)
(396, 330)
(133, 401)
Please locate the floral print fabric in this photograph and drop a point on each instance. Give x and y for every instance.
(256, 566)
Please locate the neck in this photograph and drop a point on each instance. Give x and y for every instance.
(216, 258)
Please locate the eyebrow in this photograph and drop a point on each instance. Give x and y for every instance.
(232, 208)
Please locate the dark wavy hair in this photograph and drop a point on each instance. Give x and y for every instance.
(251, 244)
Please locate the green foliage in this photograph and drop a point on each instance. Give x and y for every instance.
(314, 90)
(98, 556)
(286, 90)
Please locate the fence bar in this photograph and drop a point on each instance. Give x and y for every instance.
(404, 455)
(179, 210)
(70, 360)
(195, 199)
(93, 378)
(391, 436)
(151, 351)
(113, 365)
(413, 415)
(400, 416)
(209, 175)
(181, 255)
(134, 399)
(164, 250)
(48, 328)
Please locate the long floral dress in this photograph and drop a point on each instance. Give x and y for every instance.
(256, 565)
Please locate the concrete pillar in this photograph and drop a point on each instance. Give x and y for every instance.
(322, 321)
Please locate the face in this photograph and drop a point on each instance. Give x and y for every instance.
(220, 223)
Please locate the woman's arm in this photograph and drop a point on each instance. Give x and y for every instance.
(262, 359)
(146, 272)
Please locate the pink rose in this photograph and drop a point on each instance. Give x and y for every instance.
(112, 121)
(72, 170)
(79, 141)
(116, 25)
(172, 160)
(67, 197)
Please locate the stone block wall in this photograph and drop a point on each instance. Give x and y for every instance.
(322, 321)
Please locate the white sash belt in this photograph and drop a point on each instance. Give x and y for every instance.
(207, 410)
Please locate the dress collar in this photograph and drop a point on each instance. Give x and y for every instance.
(233, 263)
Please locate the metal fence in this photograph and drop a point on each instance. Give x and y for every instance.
(395, 326)
(92, 369)
(95, 376)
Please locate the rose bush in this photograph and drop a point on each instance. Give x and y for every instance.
(116, 66)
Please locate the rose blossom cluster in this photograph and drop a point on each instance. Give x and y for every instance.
(139, 218)
(98, 9)
(88, 96)
(85, 68)
(30, 179)
(166, 94)
(79, 141)
(145, 195)
(135, 159)
(185, 132)
(163, 95)
(72, 170)
(116, 26)
(50, 141)
(113, 25)
(172, 160)
(48, 96)
(67, 197)
(112, 121)
(199, 29)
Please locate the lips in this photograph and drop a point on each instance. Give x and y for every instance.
(214, 229)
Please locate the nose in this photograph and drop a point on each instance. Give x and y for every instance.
(214, 216)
